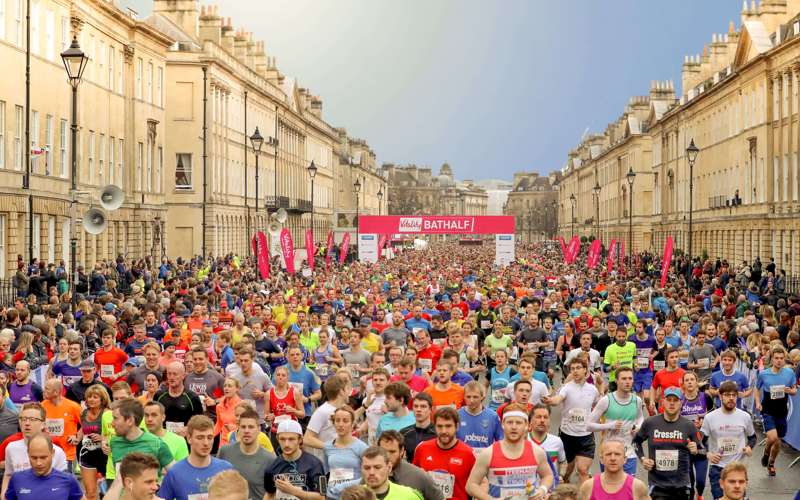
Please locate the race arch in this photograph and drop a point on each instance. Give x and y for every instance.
(372, 227)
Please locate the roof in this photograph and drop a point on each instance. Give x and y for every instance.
(758, 36)
(172, 30)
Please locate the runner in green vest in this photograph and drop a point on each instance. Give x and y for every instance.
(619, 354)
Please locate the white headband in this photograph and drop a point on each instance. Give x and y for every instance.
(515, 413)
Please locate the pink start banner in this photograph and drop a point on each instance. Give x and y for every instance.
(437, 224)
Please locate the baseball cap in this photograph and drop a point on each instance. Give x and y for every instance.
(132, 362)
(110, 307)
(290, 426)
(673, 391)
(86, 364)
(365, 322)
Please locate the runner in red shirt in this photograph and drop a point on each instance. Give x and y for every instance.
(110, 360)
(428, 354)
(447, 460)
(670, 376)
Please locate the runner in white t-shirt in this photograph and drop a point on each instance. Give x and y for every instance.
(320, 428)
(551, 444)
(577, 399)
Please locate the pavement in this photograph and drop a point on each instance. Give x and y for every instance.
(784, 486)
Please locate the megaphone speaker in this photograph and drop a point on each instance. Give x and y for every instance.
(94, 221)
(281, 215)
(111, 197)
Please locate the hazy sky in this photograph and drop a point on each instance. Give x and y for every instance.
(490, 86)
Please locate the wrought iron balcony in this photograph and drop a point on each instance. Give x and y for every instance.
(274, 203)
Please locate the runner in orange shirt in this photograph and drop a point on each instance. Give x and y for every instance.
(444, 392)
(110, 360)
(62, 418)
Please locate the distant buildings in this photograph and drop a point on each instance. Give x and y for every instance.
(414, 190)
(532, 201)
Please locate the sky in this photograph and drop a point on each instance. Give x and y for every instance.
(492, 87)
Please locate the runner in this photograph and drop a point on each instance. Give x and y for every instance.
(727, 372)
(294, 472)
(622, 413)
(404, 472)
(343, 453)
(613, 482)
(514, 466)
(397, 416)
(480, 427)
(375, 469)
(576, 399)
(42, 478)
(774, 385)
(139, 475)
(550, 443)
(444, 392)
(670, 376)
(620, 353)
(246, 455)
(447, 460)
(643, 365)
(500, 377)
(671, 439)
(422, 429)
(730, 433)
(734, 481)
(694, 406)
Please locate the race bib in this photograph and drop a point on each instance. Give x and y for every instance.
(728, 445)
(577, 418)
(341, 475)
(515, 352)
(777, 391)
(197, 496)
(703, 363)
(659, 365)
(642, 362)
(175, 426)
(89, 445)
(426, 364)
(486, 324)
(667, 460)
(439, 342)
(280, 495)
(322, 370)
(473, 340)
(551, 346)
(298, 387)
(444, 481)
(106, 371)
(354, 372)
(54, 426)
(282, 418)
(499, 396)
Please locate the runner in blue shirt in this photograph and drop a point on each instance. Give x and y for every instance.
(189, 478)
(302, 379)
(499, 377)
(41, 480)
(773, 386)
(727, 372)
(480, 427)
(643, 364)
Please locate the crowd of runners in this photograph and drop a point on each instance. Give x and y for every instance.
(432, 375)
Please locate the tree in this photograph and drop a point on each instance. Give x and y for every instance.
(404, 201)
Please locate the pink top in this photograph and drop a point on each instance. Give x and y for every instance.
(624, 493)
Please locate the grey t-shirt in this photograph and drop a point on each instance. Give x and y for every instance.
(699, 354)
(360, 358)
(255, 382)
(398, 335)
(251, 467)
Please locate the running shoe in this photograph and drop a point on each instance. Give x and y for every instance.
(764, 460)
(771, 470)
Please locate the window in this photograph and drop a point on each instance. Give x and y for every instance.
(120, 163)
(148, 180)
(90, 155)
(160, 87)
(183, 171)
(34, 139)
(37, 236)
(19, 13)
(159, 169)
(62, 152)
(35, 33)
(139, 65)
(65, 237)
(111, 55)
(51, 239)
(139, 155)
(112, 143)
(150, 83)
(48, 145)
(120, 72)
(65, 38)
(50, 35)
(2, 34)
(2, 127)
(101, 157)
(101, 61)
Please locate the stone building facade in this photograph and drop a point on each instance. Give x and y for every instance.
(121, 135)
(533, 203)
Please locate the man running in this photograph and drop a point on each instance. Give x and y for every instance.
(41, 480)
(614, 482)
(577, 398)
(550, 443)
(643, 366)
(620, 353)
(669, 376)
(480, 427)
(730, 433)
(447, 460)
(422, 429)
(774, 385)
(622, 413)
(514, 466)
(294, 472)
(375, 469)
(671, 439)
(734, 481)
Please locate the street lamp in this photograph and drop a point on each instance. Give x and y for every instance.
(380, 201)
(691, 156)
(572, 201)
(596, 191)
(74, 62)
(630, 176)
(312, 172)
(273, 143)
(356, 190)
(256, 141)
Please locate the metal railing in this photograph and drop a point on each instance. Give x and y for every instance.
(7, 293)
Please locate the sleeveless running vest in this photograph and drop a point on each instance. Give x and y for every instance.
(624, 493)
(510, 477)
(278, 406)
(618, 411)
